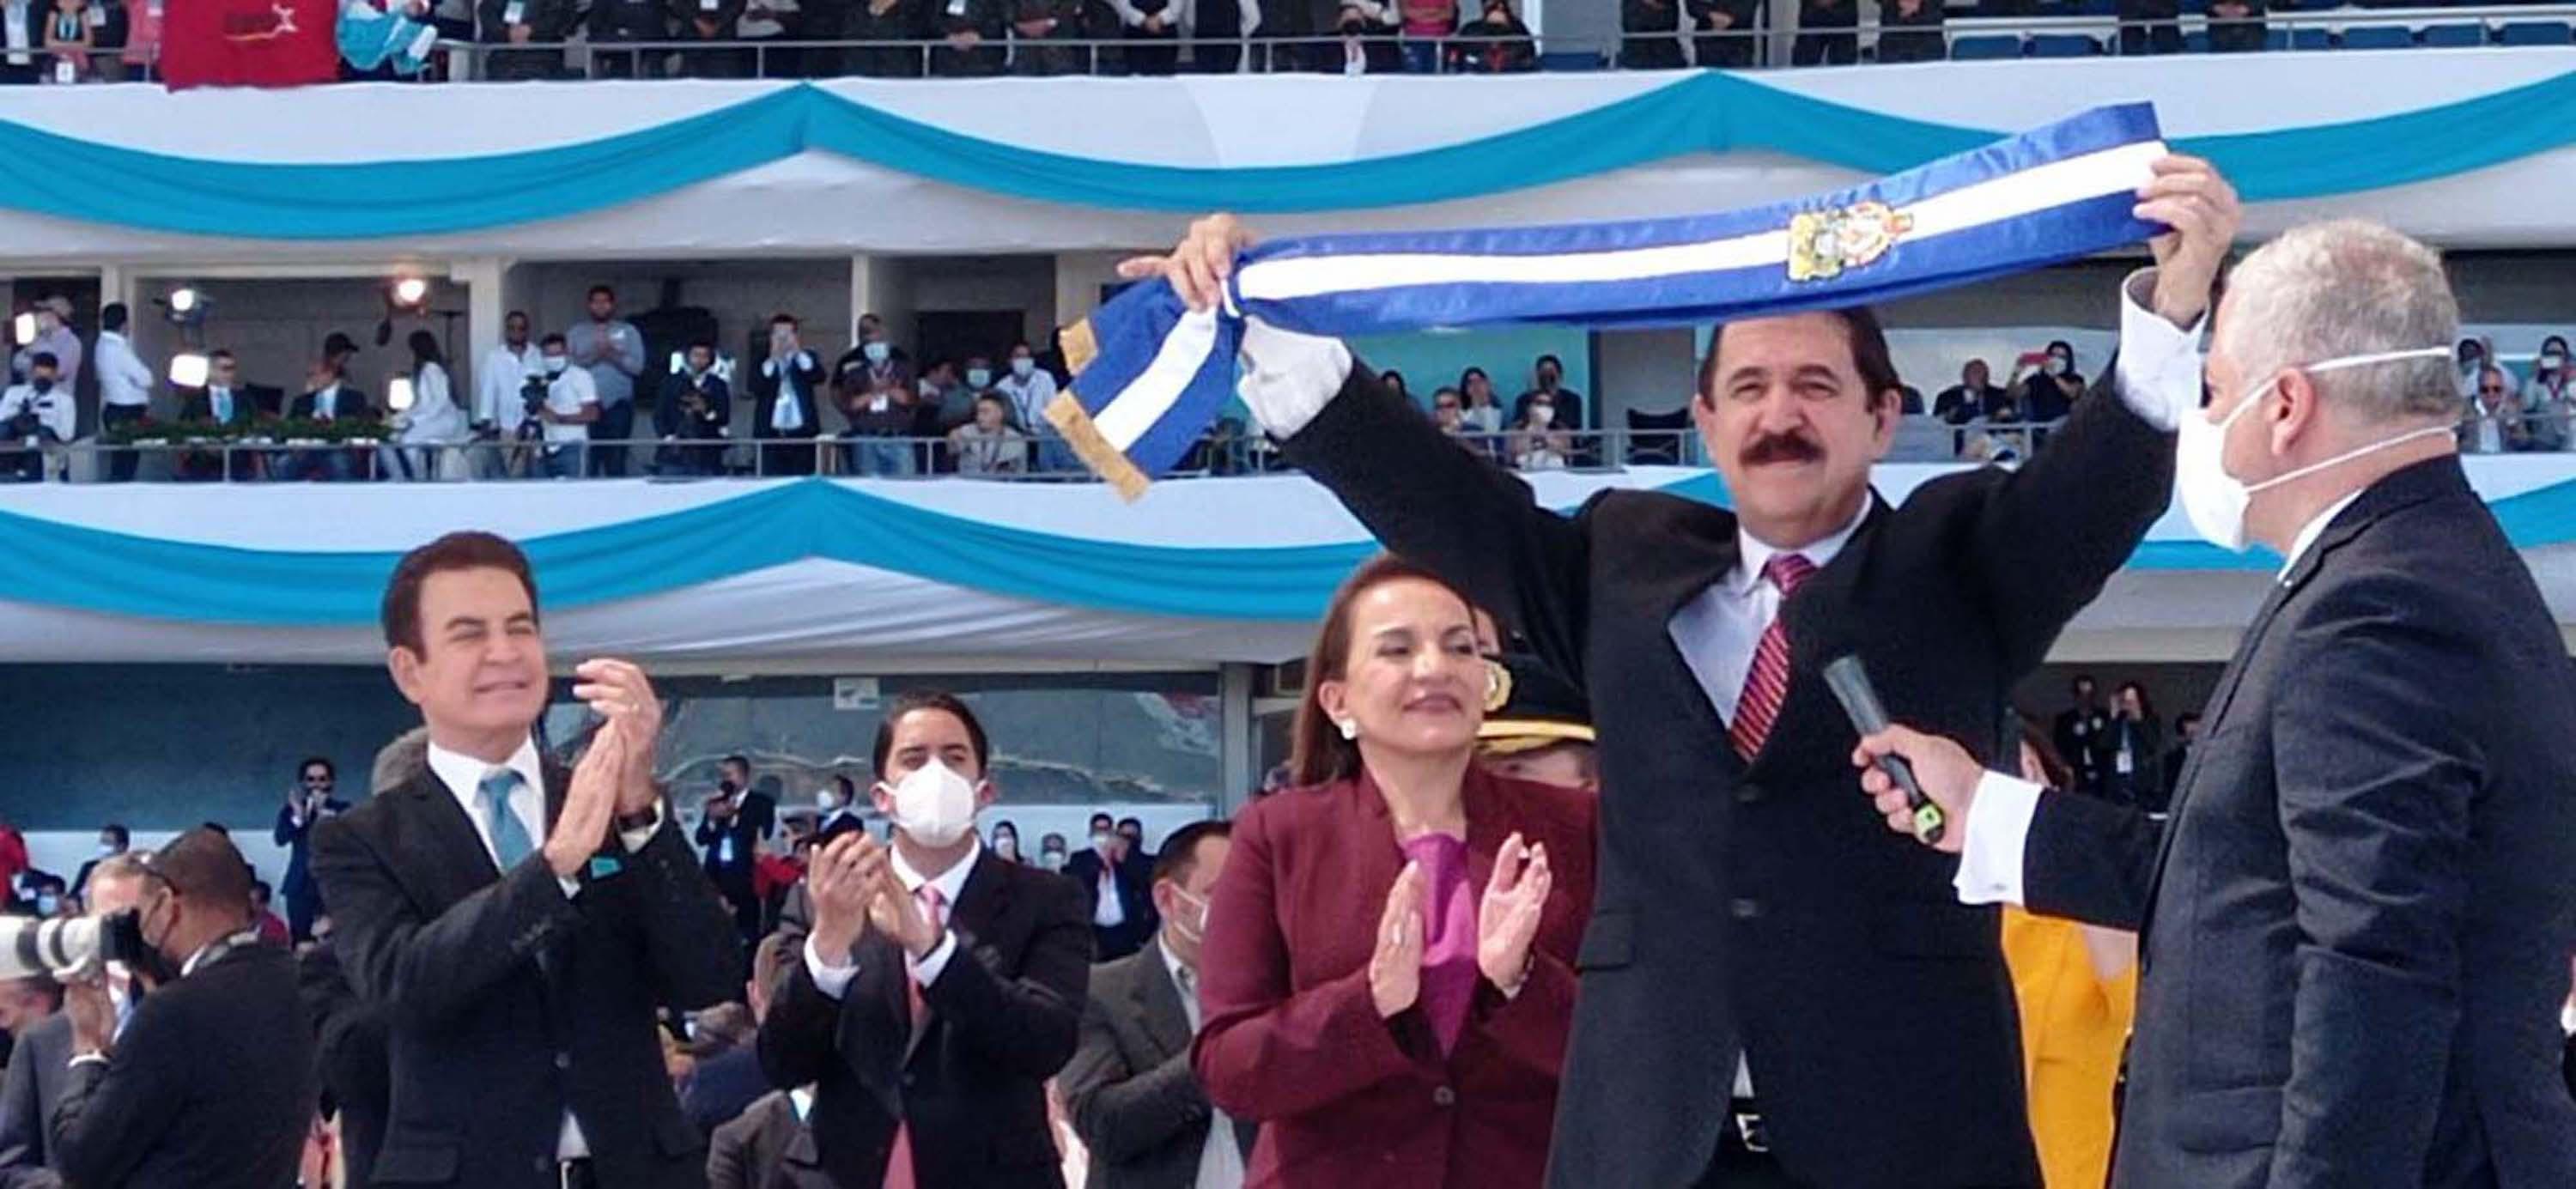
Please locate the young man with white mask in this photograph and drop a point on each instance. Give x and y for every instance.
(1134, 1099)
(940, 986)
(2355, 919)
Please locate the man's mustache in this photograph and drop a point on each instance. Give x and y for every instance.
(1784, 447)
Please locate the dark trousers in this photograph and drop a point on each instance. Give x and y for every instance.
(1825, 49)
(616, 424)
(792, 456)
(120, 465)
(1153, 53)
(1731, 53)
(301, 907)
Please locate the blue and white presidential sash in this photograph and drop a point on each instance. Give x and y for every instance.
(1149, 376)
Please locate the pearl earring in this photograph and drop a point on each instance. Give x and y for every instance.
(1350, 727)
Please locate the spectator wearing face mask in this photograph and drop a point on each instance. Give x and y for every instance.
(840, 811)
(1114, 900)
(1548, 378)
(1650, 42)
(36, 417)
(733, 824)
(2473, 355)
(933, 966)
(1051, 853)
(40, 1062)
(1368, 29)
(2495, 424)
(2548, 399)
(1494, 43)
(1535, 444)
(1029, 388)
(1134, 1099)
(2049, 393)
(1006, 842)
(113, 840)
(571, 407)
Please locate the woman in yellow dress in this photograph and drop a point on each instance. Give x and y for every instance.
(2077, 987)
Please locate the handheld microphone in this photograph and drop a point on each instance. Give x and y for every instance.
(1851, 687)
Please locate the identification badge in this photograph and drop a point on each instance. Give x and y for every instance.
(2122, 764)
(877, 405)
(516, 13)
(708, 5)
(957, 8)
(98, 18)
(63, 72)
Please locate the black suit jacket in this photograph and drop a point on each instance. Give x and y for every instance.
(1130, 1089)
(837, 823)
(754, 819)
(350, 1042)
(209, 1087)
(37, 1070)
(765, 389)
(2355, 926)
(298, 882)
(1083, 868)
(1764, 908)
(352, 406)
(506, 1000)
(767, 1148)
(250, 401)
(1002, 1019)
(672, 420)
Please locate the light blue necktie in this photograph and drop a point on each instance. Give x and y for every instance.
(509, 839)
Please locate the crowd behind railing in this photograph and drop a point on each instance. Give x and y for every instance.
(74, 41)
(602, 398)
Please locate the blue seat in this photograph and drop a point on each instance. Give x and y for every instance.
(1570, 60)
(2533, 33)
(2311, 39)
(2063, 45)
(1986, 47)
(2195, 42)
(2378, 37)
(2455, 36)
(2276, 40)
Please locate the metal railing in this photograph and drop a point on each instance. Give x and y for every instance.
(1225, 451)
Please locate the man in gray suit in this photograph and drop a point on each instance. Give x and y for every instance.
(42, 1060)
(1129, 1087)
(2354, 924)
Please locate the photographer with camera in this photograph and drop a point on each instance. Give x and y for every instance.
(35, 417)
(41, 1062)
(209, 1082)
(696, 403)
(500, 406)
(737, 819)
(562, 401)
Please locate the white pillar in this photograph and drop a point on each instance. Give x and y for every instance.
(485, 305)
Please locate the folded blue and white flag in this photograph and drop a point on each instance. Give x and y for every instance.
(1149, 376)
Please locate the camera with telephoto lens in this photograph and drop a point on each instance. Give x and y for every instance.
(30, 946)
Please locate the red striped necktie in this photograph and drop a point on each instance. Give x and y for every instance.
(1766, 686)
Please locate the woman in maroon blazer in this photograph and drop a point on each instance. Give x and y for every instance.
(1388, 970)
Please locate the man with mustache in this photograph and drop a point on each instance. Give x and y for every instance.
(1766, 967)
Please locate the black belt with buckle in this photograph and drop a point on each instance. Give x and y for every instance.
(1744, 1126)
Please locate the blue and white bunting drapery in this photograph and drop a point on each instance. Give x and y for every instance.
(1150, 374)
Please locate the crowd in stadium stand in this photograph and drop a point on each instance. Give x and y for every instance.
(74, 41)
(601, 398)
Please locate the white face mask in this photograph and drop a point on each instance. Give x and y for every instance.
(1102, 841)
(2215, 500)
(2552, 362)
(1022, 365)
(934, 805)
(1191, 930)
(1542, 415)
(2055, 366)
(555, 365)
(2567, 1018)
(1007, 847)
(979, 377)
(877, 352)
(829, 800)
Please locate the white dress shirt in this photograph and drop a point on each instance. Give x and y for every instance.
(496, 389)
(122, 378)
(1998, 827)
(463, 776)
(787, 414)
(1029, 397)
(833, 980)
(1220, 1159)
(1107, 910)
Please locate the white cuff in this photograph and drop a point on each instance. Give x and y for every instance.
(1998, 827)
(1289, 377)
(2159, 370)
(829, 979)
(926, 971)
(637, 837)
(571, 887)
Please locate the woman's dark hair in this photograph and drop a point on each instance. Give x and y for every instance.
(1475, 373)
(2146, 705)
(424, 350)
(2058, 346)
(1317, 752)
(2051, 765)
